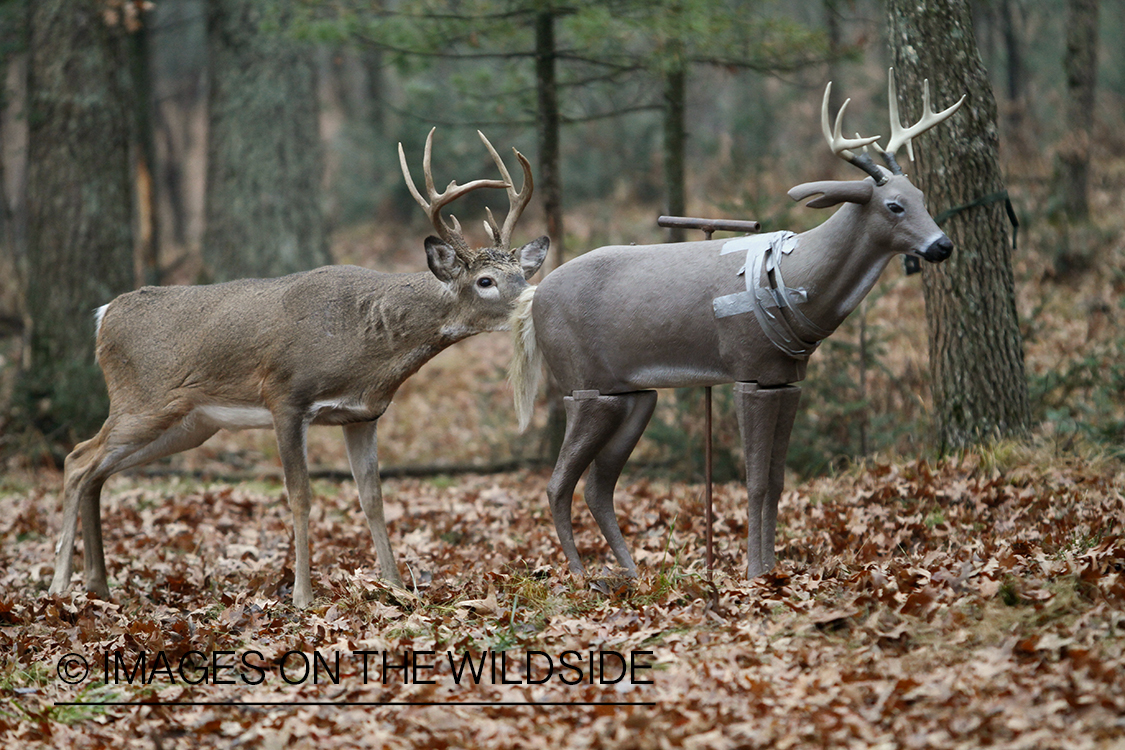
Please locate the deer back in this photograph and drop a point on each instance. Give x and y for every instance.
(625, 318)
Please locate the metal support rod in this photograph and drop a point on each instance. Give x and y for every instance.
(709, 227)
(707, 475)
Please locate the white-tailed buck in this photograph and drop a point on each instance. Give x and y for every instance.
(619, 321)
(323, 347)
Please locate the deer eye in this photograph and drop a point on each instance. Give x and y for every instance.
(895, 207)
(485, 281)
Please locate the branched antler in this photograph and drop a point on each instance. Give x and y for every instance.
(842, 147)
(901, 135)
(517, 201)
(452, 235)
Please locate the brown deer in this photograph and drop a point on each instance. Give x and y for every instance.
(619, 321)
(323, 347)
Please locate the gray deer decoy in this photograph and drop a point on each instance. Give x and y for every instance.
(324, 347)
(617, 322)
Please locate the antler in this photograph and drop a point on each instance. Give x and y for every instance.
(901, 135)
(517, 202)
(452, 235)
(842, 146)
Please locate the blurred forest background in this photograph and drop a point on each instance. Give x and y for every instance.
(190, 141)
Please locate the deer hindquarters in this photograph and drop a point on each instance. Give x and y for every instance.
(765, 421)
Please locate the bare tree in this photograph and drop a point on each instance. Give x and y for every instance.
(1081, 65)
(265, 165)
(976, 353)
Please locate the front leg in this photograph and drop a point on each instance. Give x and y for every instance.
(292, 430)
(363, 455)
(765, 421)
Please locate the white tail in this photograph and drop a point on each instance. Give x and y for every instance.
(527, 360)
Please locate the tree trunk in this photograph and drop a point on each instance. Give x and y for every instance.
(1081, 65)
(264, 170)
(148, 217)
(1017, 71)
(80, 238)
(675, 140)
(976, 354)
(550, 183)
(550, 187)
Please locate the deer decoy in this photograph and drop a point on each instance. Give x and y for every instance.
(324, 347)
(617, 322)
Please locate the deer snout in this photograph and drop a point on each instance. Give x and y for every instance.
(938, 250)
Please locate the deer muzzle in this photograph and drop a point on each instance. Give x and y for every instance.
(938, 250)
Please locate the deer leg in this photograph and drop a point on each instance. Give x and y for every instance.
(606, 469)
(590, 422)
(134, 441)
(292, 431)
(81, 490)
(765, 421)
(362, 444)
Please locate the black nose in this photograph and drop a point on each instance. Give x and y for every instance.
(938, 250)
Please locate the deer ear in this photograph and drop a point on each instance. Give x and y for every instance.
(443, 260)
(833, 192)
(532, 255)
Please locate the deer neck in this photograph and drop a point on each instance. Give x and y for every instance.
(412, 326)
(837, 264)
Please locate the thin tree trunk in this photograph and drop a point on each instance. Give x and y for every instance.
(550, 188)
(80, 238)
(976, 354)
(835, 45)
(549, 182)
(1017, 73)
(265, 165)
(148, 215)
(675, 140)
(1081, 65)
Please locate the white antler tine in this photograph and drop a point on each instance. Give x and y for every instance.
(496, 158)
(429, 175)
(838, 127)
(409, 179)
(901, 136)
(490, 225)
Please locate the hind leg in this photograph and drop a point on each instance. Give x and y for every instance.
(591, 420)
(606, 469)
(122, 443)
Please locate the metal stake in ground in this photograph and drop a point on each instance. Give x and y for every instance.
(708, 227)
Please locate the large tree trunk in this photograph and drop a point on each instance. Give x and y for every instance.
(264, 171)
(80, 237)
(1081, 65)
(976, 354)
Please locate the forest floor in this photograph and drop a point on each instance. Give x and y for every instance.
(969, 602)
